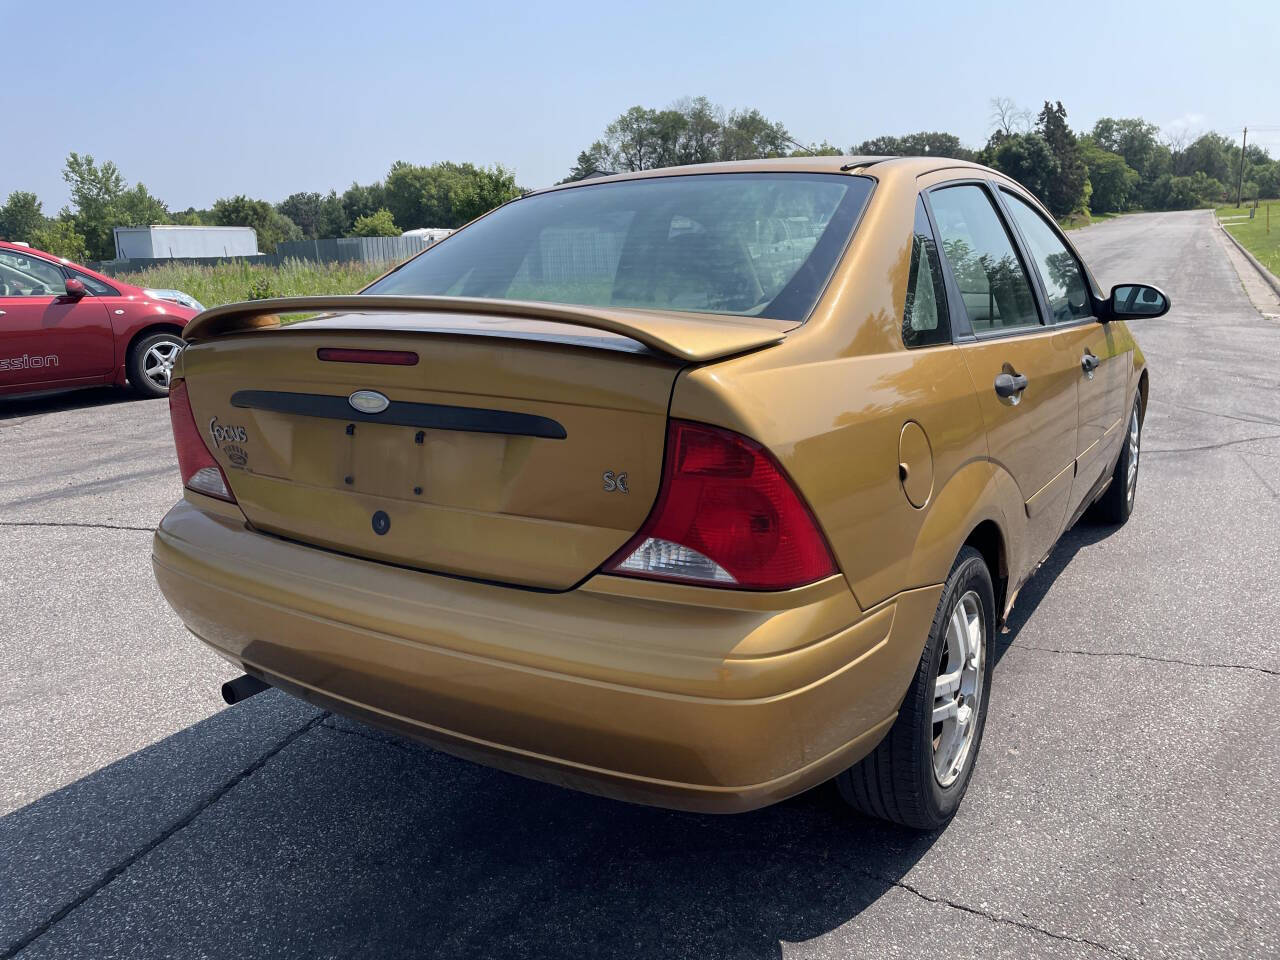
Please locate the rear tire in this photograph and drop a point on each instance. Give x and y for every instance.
(1116, 504)
(150, 364)
(918, 774)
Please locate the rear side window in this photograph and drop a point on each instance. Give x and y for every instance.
(993, 284)
(1063, 279)
(924, 321)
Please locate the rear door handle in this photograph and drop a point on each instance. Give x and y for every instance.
(1010, 385)
(1089, 363)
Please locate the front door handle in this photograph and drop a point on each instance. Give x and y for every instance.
(1089, 363)
(1010, 385)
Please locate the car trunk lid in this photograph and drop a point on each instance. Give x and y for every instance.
(516, 449)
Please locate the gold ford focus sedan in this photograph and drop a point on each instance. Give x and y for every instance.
(694, 487)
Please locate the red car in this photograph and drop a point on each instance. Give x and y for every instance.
(63, 327)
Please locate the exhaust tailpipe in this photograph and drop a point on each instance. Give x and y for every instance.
(242, 688)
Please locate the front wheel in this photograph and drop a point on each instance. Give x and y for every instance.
(918, 774)
(150, 364)
(1116, 504)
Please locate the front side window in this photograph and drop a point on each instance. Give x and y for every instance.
(96, 287)
(1063, 279)
(748, 244)
(924, 321)
(23, 276)
(997, 294)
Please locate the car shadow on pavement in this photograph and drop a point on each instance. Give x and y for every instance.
(11, 409)
(349, 841)
(271, 829)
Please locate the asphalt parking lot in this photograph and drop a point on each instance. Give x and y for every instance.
(1124, 803)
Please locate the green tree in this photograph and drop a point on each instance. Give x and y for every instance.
(632, 139)
(1066, 190)
(102, 201)
(1210, 153)
(1113, 181)
(191, 217)
(20, 217)
(60, 238)
(362, 201)
(823, 149)
(378, 224)
(590, 162)
(410, 195)
(332, 221)
(1268, 179)
(445, 194)
(317, 215)
(1136, 141)
(1184, 193)
(691, 130)
(95, 191)
(922, 144)
(271, 226)
(703, 130)
(748, 135)
(304, 210)
(479, 190)
(136, 207)
(1027, 158)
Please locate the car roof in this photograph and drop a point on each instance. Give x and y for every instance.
(882, 167)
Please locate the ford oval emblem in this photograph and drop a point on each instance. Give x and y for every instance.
(368, 401)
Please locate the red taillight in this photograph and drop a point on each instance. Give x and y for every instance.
(726, 516)
(199, 470)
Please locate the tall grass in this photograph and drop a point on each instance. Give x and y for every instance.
(237, 280)
(1253, 233)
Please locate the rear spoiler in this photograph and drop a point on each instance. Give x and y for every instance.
(686, 336)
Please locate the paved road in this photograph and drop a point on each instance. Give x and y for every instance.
(1124, 804)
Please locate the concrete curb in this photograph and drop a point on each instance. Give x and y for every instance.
(1271, 279)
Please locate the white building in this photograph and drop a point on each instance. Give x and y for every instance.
(165, 242)
(429, 235)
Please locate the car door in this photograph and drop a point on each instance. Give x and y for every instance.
(1103, 375)
(1023, 370)
(48, 339)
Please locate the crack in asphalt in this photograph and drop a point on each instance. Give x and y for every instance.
(996, 918)
(1212, 446)
(1143, 656)
(407, 747)
(70, 523)
(1225, 416)
(181, 824)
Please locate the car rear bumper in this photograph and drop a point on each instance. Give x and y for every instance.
(682, 697)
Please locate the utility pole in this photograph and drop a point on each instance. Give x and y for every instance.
(1244, 142)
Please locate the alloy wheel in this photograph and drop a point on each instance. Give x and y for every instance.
(158, 361)
(1134, 441)
(957, 692)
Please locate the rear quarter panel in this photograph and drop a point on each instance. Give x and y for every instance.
(831, 403)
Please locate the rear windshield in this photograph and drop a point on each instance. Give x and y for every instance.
(735, 243)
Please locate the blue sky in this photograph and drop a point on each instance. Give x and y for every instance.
(206, 99)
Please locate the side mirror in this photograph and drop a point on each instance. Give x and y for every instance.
(75, 289)
(1135, 301)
